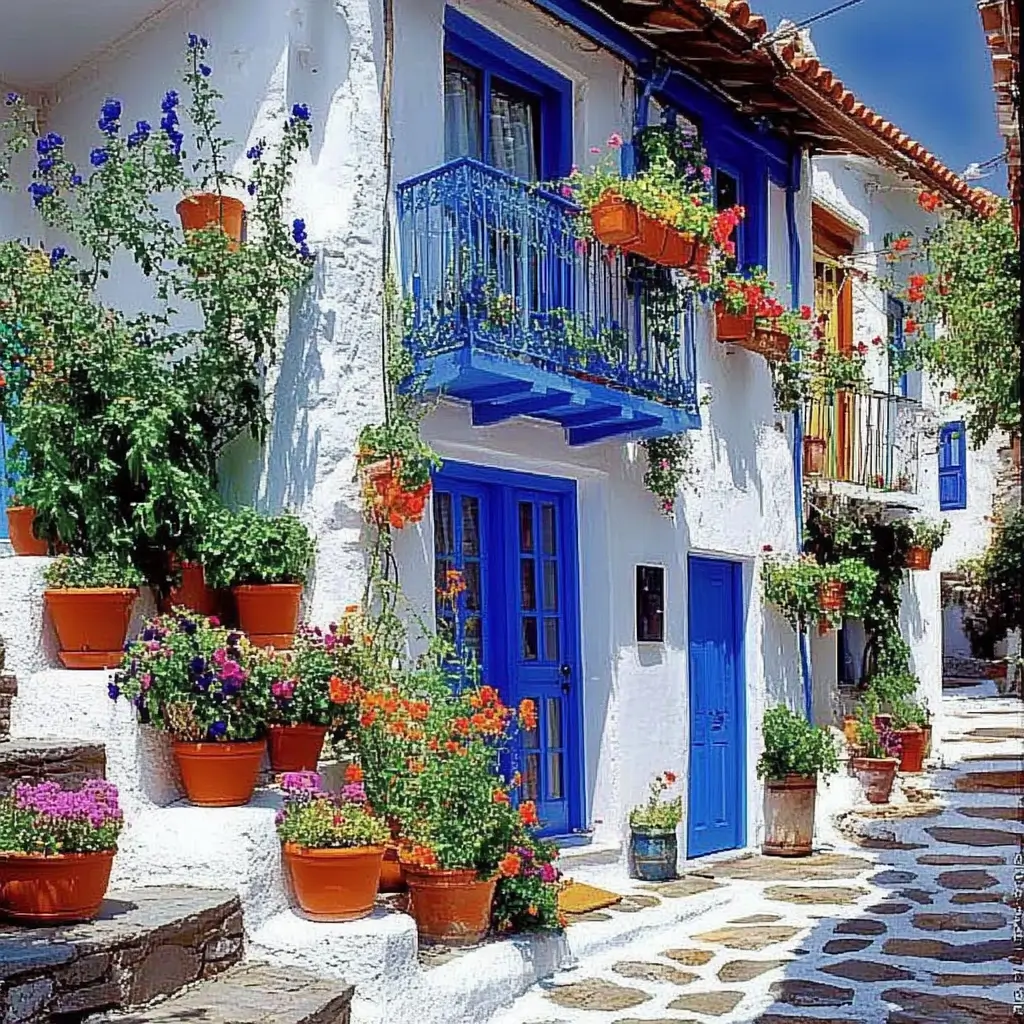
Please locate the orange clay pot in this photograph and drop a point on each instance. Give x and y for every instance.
(736, 327)
(20, 519)
(269, 612)
(911, 749)
(831, 596)
(616, 222)
(334, 885)
(653, 239)
(91, 624)
(58, 889)
(392, 871)
(296, 748)
(205, 209)
(452, 908)
(219, 774)
(193, 593)
(918, 558)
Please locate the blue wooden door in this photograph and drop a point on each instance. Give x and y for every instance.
(513, 539)
(716, 809)
(953, 466)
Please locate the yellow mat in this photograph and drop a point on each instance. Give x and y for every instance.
(577, 898)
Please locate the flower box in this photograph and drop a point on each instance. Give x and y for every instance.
(831, 596)
(623, 225)
(735, 327)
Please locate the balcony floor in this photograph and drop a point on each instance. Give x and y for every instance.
(588, 410)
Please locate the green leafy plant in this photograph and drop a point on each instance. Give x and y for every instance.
(792, 746)
(908, 713)
(658, 813)
(927, 533)
(875, 740)
(526, 896)
(887, 689)
(668, 460)
(316, 820)
(259, 549)
(74, 572)
(794, 588)
(50, 820)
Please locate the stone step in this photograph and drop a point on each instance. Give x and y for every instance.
(250, 994)
(8, 691)
(69, 762)
(145, 943)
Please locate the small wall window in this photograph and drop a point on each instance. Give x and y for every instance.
(650, 604)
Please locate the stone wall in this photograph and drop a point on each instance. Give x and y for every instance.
(8, 691)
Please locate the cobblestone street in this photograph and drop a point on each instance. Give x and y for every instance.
(904, 917)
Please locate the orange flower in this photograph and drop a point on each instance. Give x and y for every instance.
(420, 856)
(489, 695)
(432, 743)
(451, 746)
(415, 765)
(461, 725)
(528, 812)
(367, 719)
(528, 714)
(341, 690)
(670, 778)
(353, 773)
(901, 244)
(910, 327)
(510, 865)
(500, 796)
(929, 201)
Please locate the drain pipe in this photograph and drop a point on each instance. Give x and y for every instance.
(792, 189)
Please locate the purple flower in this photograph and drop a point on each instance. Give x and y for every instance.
(110, 116)
(46, 164)
(300, 112)
(205, 70)
(548, 873)
(193, 41)
(12, 98)
(39, 191)
(197, 665)
(113, 690)
(76, 179)
(251, 188)
(56, 255)
(98, 157)
(299, 230)
(141, 133)
(255, 152)
(353, 793)
(49, 142)
(169, 102)
(301, 782)
(218, 730)
(706, 174)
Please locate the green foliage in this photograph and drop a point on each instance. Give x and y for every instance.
(526, 896)
(318, 821)
(71, 572)
(794, 588)
(658, 813)
(927, 533)
(668, 460)
(792, 746)
(875, 740)
(256, 549)
(889, 689)
(907, 713)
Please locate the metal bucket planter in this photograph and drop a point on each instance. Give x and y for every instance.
(654, 853)
(789, 816)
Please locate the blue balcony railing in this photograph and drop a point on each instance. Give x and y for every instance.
(492, 264)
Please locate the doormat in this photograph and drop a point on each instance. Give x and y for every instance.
(578, 898)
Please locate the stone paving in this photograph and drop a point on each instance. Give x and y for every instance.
(903, 917)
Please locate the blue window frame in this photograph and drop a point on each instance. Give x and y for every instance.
(894, 317)
(953, 465)
(505, 78)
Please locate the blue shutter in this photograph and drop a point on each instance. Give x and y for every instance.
(953, 466)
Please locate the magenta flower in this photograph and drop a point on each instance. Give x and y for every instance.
(615, 140)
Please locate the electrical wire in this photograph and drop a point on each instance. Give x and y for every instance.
(771, 37)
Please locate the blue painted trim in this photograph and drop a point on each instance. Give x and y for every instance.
(495, 57)
(946, 439)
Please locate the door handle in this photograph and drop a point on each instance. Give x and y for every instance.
(566, 672)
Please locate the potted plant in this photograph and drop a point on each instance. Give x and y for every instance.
(653, 848)
(806, 591)
(795, 753)
(815, 450)
(21, 528)
(89, 600)
(191, 678)
(909, 719)
(925, 537)
(332, 847)
(876, 763)
(265, 560)
(395, 464)
(749, 315)
(526, 897)
(57, 847)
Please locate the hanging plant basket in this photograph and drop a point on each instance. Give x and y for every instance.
(814, 456)
(91, 624)
(207, 209)
(20, 519)
(389, 501)
(919, 558)
(831, 596)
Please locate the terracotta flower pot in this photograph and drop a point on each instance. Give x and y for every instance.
(91, 624)
(269, 612)
(831, 596)
(911, 749)
(814, 456)
(653, 238)
(334, 885)
(59, 889)
(193, 593)
(773, 345)
(219, 774)
(883, 720)
(449, 907)
(392, 873)
(205, 209)
(876, 775)
(682, 250)
(20, 519)
(736, 327)
(850, 730)
(919, 558)
(616, 222)
(296, 748)
(789, 816)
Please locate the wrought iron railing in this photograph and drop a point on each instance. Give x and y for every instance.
(494, 263)
(870, 439)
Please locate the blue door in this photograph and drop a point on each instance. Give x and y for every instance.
(716, 810)
(952, 466)
(513, 539)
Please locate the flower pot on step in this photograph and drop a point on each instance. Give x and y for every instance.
(295, 748)
(876, 776)
(193, 593)
(91, 624)
(334, 885)
(452, 908)
(919, 558)
(392, 873)
(219, 774)
(269, 612)
(616, 222)
(911, 749)
(20, 519)
(831, 595)
(57, 889)
(207, 209)
(850, 730)
(814, 456)
(654, 854)
(789, 816)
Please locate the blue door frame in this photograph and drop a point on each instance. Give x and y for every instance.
(513, 536)
(717, 800)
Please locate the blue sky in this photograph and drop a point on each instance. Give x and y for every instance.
(923, 64)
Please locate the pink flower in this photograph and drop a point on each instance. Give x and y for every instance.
(705, 173)
(566, 192)
(214, 621)
(595, 149)
(145, 681)
(580, 245)
(548, 873)
(615, 140)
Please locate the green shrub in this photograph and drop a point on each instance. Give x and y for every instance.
(792, 746)
(79, 572)
(250, 548)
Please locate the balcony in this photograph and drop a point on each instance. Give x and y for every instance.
(509, 310)
(871, 441)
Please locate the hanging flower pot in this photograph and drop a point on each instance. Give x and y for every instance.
(683, 251)
(219, 774)
(912, 742)
(452, 908)
(919, 558)
(389, 501)
(269, 612)
(789, 816)
(772, 344)
(41, 890)
(192, 592)
(653, 238)
(20, 519)
(876, 776)
(91, 624)
(295, 748)
(734, 327)
(206, 209)
(615, 222)
(831, 595)
(814, 455)
(334, 884)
